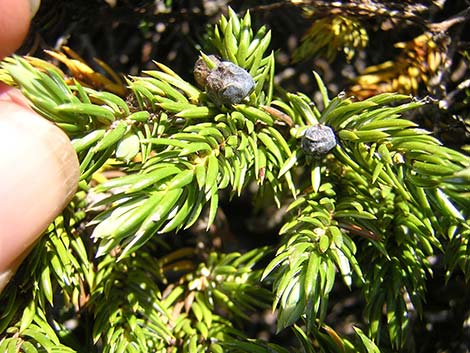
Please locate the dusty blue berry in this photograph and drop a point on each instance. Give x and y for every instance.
(227, 83)
(318, 140)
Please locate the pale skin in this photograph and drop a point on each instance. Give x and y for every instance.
(38, 165)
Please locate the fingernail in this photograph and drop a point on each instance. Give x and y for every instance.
(34, 6)
(67, 159)
(60, 157)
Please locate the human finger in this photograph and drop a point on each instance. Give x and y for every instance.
(39, 172)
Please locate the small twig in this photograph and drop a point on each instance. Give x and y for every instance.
(449, 100)
(445, 25)
(278, 115)
(355, 229)
(368, 9)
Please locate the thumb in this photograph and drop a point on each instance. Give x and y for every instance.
(39, 173)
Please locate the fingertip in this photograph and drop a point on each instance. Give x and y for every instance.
(15, 18)
(40, 173)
